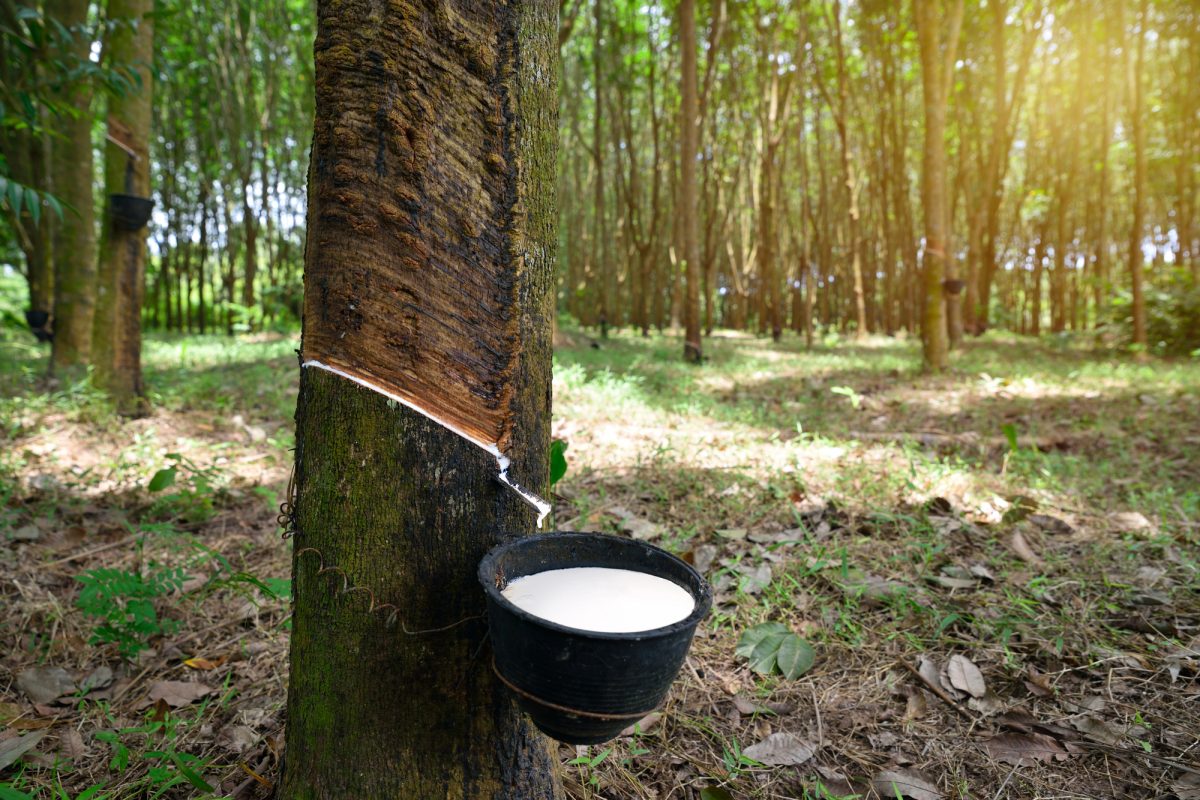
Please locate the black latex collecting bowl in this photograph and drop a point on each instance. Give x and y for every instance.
(130, 212)
(584, 687)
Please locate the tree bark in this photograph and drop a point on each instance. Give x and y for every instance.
(121, 276)
(403, 506)
(689, 144)
(71, 166)
(1138, 128)
(601, 266)
(937, 64)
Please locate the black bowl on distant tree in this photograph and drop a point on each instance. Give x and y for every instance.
(578, 686)
(130, 212)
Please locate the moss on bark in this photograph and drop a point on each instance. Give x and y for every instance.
(117, 326)
(399, 504)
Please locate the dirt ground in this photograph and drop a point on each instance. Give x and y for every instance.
(997, 569)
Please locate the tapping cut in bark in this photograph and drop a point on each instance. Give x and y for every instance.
(502, 461)
(415, 264)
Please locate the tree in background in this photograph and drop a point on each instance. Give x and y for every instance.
(74, 244)
(1136, 58)
(443, 171)
(117, 336)
(688, 147)
(937, 32)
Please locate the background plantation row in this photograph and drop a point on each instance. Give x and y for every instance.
(1071, 157)
(933, 269)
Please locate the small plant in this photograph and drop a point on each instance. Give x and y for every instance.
(196, 487)
(123, 601)
(558, 461)
(589, 764)
(167, 767)
(772, 647)
(736, 762)
(848, 392)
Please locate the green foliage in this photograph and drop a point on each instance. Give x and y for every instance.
(195, 489)
(558, 461)
(155, 742)
(1010, 434)
(589, 764)
(773, 647)
(16, 197)
(1172, 315)
(124, 603)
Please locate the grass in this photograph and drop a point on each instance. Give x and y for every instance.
(896, 523)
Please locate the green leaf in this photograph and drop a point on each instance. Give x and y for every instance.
(1010, 433)
(796, 656)
(7, 792)
(715, 793)
(192, 776)
(558, 460)
(162, 479)
(763, 659)
(751, 638)
(773, 646)
(34, 203)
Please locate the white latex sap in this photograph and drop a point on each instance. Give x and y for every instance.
(601, 599)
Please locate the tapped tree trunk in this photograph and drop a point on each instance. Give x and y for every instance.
(433, 162)
(117, 329)
(689, 110)
(937, 64)
(71, 168)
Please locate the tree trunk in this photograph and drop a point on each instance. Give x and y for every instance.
(689, 144)
(1138, 127)
(937, 64)
(601, 266)
(117, 334)
(404, 506)
(75, 240)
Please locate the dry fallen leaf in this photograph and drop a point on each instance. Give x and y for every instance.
(1023, 749)
(205, 663)
(1187, 787)
(1099, 730)
(1051, 524)
(904, 783)
(1023, 550)
(747, 706)
(45, 684)
(644, 724)
(965, 676)
(12, 749)
(178, 693)
(73, 747)
(781, 750)
(1131, 521)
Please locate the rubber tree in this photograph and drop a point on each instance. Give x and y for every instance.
(937, 34)
(71, 170)
(689, 110)
(121, 274)
(1137, 124)
(433, 165)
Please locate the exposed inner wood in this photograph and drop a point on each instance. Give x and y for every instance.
(418, 193)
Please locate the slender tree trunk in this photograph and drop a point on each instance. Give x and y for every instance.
(937, 64)
(689, 144)
(117, 336)
(404, 506)
(1138, 128)
(75, 242)
(601, 264)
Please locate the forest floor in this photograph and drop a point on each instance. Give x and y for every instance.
(997, 568)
